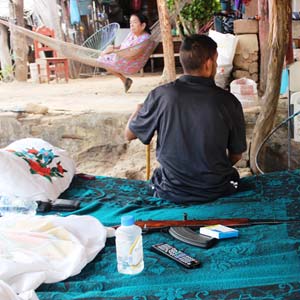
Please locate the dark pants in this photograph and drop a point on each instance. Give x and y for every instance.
(157, 178)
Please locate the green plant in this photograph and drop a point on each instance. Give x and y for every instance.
(193, 15)
(6, 74)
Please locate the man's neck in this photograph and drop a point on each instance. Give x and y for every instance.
(198, 74)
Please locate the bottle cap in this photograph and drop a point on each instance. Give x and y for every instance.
(127, 220)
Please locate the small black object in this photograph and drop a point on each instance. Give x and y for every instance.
(176, 255)
(86, 176)
(189, 236)
(43, 206)
(65, 205)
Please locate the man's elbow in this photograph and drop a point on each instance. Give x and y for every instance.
(129, 135)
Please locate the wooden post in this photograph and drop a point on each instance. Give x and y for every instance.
(5, 59)
(280, 12)
(148, 164)
(167, 41)
(263, 12)
(169, 73)
(18, 41)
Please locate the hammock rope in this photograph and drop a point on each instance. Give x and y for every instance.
(88, 56)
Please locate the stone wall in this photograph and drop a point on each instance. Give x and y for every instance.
(96, 142)
(245, 63)
(101, 152)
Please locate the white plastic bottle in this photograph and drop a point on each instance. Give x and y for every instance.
(11, 204)
(129, 246)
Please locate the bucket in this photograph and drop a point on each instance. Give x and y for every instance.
(245, 90)
(34, 74)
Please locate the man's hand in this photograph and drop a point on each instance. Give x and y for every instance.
(128, 134)
(234, 158)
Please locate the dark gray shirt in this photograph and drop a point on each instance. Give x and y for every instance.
(196, 123)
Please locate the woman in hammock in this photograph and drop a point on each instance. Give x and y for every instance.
(139, 32)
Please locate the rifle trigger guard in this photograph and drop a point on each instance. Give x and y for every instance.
(189, 236)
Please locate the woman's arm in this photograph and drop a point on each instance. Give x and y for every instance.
(109, 49)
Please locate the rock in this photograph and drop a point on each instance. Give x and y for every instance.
(247, 44)
(33, 108)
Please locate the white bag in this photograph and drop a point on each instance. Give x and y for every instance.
(226, 47)
(245, 90)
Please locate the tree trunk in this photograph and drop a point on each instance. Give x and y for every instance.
(53, 10)
(263, 12)
(280, 12)
(167, 41)
(5, 59)
(74, 66)
(18, 41)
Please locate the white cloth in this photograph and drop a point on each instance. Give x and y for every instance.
(43, 170)
(45, 249)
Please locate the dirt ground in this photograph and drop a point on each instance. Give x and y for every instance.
(104, 93)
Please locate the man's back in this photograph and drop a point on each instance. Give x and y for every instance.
(200, 129)
(196, 122)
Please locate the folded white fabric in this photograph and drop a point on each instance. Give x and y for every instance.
(7, 293)
(46, 249)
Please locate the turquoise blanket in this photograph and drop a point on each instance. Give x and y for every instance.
(262, 263)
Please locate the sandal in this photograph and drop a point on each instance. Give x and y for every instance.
(127, 84)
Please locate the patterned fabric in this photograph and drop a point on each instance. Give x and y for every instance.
(262, 263)
(124, 65)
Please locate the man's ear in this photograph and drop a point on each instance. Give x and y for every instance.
(207, 67)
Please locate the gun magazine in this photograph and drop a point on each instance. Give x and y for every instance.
(189, 236)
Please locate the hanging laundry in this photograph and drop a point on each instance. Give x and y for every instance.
(74, 12)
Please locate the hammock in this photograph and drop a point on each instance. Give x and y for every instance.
(88, 56)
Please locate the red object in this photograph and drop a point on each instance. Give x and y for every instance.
(54, 65)
(36, 167)
(86, 176)
(136, 5)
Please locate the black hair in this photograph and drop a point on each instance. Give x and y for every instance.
(195, 50)
(143, 19)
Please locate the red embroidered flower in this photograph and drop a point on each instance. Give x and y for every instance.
(32, 151)
(36, 167)
(60, 168)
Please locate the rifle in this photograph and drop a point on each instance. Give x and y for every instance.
(157, 225)
(182, 229)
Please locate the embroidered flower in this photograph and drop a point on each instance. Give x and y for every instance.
(37, 168)
(33, 151)
(60, 169)
(39, 162)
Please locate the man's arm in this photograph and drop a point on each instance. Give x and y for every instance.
(234, 158)
(128, 134)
